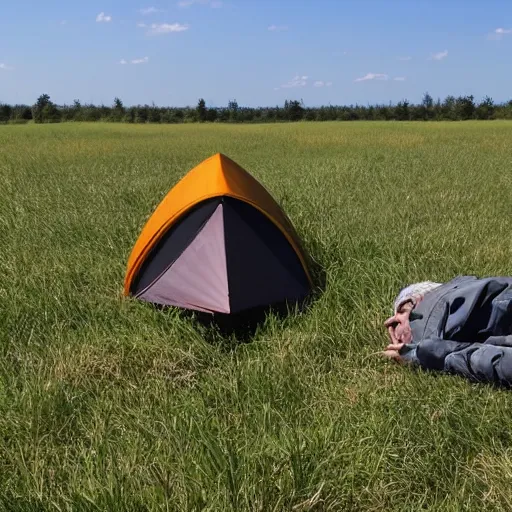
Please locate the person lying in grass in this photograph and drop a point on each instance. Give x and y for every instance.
(461, 327)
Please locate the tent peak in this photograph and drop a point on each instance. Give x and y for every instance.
(221, 163)
(222, 157)
(217, 159)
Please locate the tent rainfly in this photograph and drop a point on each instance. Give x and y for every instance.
(218, 243)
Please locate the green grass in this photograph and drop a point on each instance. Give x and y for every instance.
(108, 404)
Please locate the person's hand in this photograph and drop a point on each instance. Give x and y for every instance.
(399, 332)
(391, 324)
(393, 352)
(398, 325)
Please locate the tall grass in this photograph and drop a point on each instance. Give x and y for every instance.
(108, 404)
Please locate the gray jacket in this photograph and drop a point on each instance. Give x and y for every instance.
(465, 327)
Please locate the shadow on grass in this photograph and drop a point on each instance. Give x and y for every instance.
(231, 330)
(234, 329)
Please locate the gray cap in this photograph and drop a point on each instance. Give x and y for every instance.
(412, 291)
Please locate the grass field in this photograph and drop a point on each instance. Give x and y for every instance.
(108, 404)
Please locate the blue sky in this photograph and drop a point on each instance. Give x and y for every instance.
(259, 52)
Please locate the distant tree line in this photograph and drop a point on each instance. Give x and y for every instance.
(451, 108)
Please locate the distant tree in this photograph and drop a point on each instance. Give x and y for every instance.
(67, 113)
(293, 110)
(37, 109)
(506, 110)
(233, 110)
(105, 112)
(21, 113)
(178, 114)
(154, 115)
(118, 110)
(172, 115)
(310, 114)
(223, 115)
(352, 113)
(256, 114)
(45, 111)
(5, 113)
(211, 115)
(129, 117)
(201, 110)
(90, 113)
(141, 114)
(438, 110)
(428, 106)
(384, 113)
(486, 109)
(77, 110)
(51, 113)
(449, 110)
(402, 111)
(465, 107)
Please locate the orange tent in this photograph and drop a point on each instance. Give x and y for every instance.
(218, 242)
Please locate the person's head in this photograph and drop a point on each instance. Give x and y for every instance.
(413, 292)
(398, 326)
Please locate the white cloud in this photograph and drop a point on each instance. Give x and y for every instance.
(500, 32)
(399, 78)
(296, 81)
(103, 18)
(214, 4)
(149, 10)
(302, 81)
(141, 25)
(439, 55)
(404, 58)
(372, 76)
(277, 28)
(144, 60)
(5, 67)
(321, 83)
(166, 28)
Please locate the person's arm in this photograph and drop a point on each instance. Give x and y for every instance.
(489, 362)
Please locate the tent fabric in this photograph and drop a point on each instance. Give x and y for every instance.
(218, 176)
(238, 260)
(177, 238)
(198, 279)
(253, 242)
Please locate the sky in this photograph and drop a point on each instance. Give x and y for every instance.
(257, 52)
